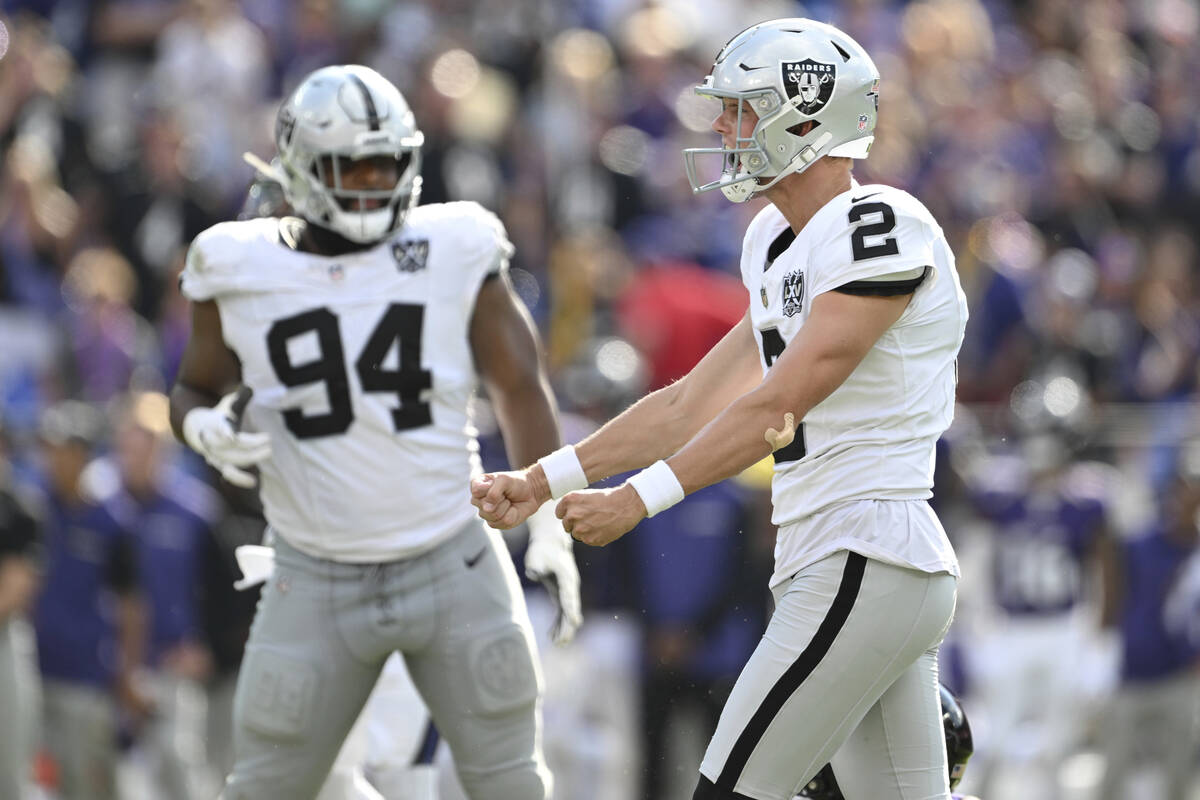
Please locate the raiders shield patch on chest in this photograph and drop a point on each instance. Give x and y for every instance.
(811, 81)
(793, 293)
(411, 255)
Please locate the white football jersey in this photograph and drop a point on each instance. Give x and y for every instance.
(362, 372)
(873, 437)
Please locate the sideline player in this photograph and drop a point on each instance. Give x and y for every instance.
(360, 327)
(844, 367)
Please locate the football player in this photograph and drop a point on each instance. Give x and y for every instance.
(358, 331)
(390, 750)
(844, 368)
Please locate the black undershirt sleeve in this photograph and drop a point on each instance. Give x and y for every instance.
(883, 288)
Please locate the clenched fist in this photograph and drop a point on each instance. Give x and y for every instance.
(506, 499)
(601, 516)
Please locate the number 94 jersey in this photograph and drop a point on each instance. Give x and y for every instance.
(874, 436)
(362, 372)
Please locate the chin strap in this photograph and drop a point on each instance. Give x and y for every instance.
(270, 171)
(808, 154)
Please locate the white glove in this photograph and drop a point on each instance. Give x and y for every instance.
(550, 560)
(212, 432)
(257, 563)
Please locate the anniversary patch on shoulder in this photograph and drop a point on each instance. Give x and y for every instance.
(411, 255)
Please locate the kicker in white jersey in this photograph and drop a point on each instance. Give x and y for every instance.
(362, 374)
(873, 437)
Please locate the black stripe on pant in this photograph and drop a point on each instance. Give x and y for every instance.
(787, 685)
(428, 748)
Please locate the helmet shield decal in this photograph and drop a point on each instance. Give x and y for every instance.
(811, 81)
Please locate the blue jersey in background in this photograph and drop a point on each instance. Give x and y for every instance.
(1152, 563)
(89, 559)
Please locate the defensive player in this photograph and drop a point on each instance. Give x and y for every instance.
(844, 367)
(360, 329)
(390, 750)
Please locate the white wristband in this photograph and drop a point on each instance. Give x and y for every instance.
(658, 487)
(563, 471)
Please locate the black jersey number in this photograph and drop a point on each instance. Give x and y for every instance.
(772, 346)
(401, 324)
(858, 239)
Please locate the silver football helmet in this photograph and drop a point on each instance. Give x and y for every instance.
(338, 115)
(789, 71)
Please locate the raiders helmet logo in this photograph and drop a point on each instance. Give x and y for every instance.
(811, 81)
(411, 255)
(793, 293)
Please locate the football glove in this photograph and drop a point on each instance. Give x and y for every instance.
(213, 433)
(550, 560)
(257, 563)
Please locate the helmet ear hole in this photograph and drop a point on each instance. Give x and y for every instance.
(804, 128)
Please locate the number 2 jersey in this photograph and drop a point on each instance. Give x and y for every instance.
(873, 437)
(362, 372)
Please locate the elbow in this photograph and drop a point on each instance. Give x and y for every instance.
(771, 402)
(678, 414)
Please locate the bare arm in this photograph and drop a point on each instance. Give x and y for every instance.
(651, 429)
(508, 356)
(840, 331)
(509, 359)
(208, 368)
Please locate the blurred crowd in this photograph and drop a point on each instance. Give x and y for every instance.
(1057, 143)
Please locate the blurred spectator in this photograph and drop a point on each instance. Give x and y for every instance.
(1154, 712)
(211, 74)
(19, 540)
(169, 514)
(157, 209)
(1029, 670)
(89, 618)
(107, 345)
(36, 216)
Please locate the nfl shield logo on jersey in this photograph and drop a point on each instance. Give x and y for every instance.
(411, 256)
(811, 80)
(793, 293)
